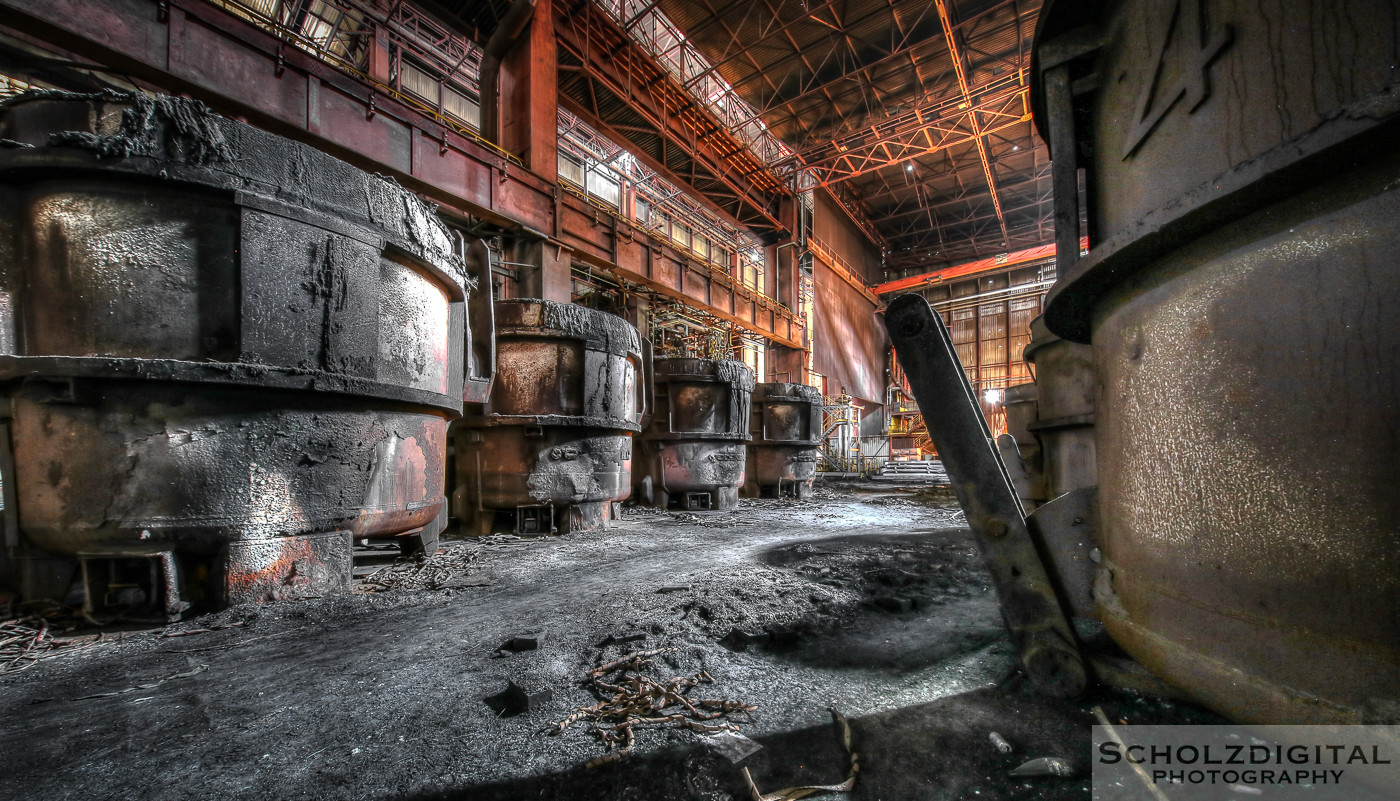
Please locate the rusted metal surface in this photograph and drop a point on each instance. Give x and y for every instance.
(609, 80)
(214, 339)
(693, 451)
(1064, 410)
(287, 568)
(1243, 187)
(1045, 641)
(551, 449)
(198, 49)
(1064, 532)
(786, 424)
(1019, 446)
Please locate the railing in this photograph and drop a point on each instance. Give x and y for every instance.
(840, 266)
(864, 466)
(721, 277)
(343, 47)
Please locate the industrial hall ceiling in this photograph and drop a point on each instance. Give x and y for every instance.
(914, 113)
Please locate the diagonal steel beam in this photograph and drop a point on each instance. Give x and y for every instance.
(915, 134)
(955, 52)
(816, 85)
(608, 59)
(1032, 609)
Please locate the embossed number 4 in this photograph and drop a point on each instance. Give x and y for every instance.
(1192, 82)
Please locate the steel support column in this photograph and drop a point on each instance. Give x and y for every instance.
(520, 87)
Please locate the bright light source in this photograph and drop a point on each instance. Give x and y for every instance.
(1015, 147)
(992, 396)
(909, 167)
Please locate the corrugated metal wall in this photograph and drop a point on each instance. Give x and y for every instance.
(989, 318)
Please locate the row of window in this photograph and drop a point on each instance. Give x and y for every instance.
(453, 101)
(600, 184)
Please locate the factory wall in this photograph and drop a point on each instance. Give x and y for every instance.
(833, 227)
(849, 344)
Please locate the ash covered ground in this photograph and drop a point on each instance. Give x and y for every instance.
(869, 600)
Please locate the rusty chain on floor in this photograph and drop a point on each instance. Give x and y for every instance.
(634, 699)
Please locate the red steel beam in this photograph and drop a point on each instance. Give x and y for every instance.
(608, 242)
(955, 53)
(970, 268)
(194, 48)
(892, 152)
(908, 127)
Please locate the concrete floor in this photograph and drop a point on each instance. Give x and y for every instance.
(870, 600)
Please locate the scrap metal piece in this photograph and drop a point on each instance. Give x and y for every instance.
(516, 700)
(624, 637)
(793, 793)
(1044, 639)
(1044, 766)
(519, 644)
(634, 699)
(732, 745)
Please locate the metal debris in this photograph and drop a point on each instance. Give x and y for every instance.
(21, 646)
(1000, 743)
(515, 700)
(1045, 766)
(431, 573)
(711, 521)
(518, 644)
(634, 699)
(187, 632)
(1147, 781)
(732, 746)
(794, 793)
(619, 639)
(438, 572)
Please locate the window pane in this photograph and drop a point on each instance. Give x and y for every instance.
(419, 83)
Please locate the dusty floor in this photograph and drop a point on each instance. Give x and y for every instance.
(870, 600)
